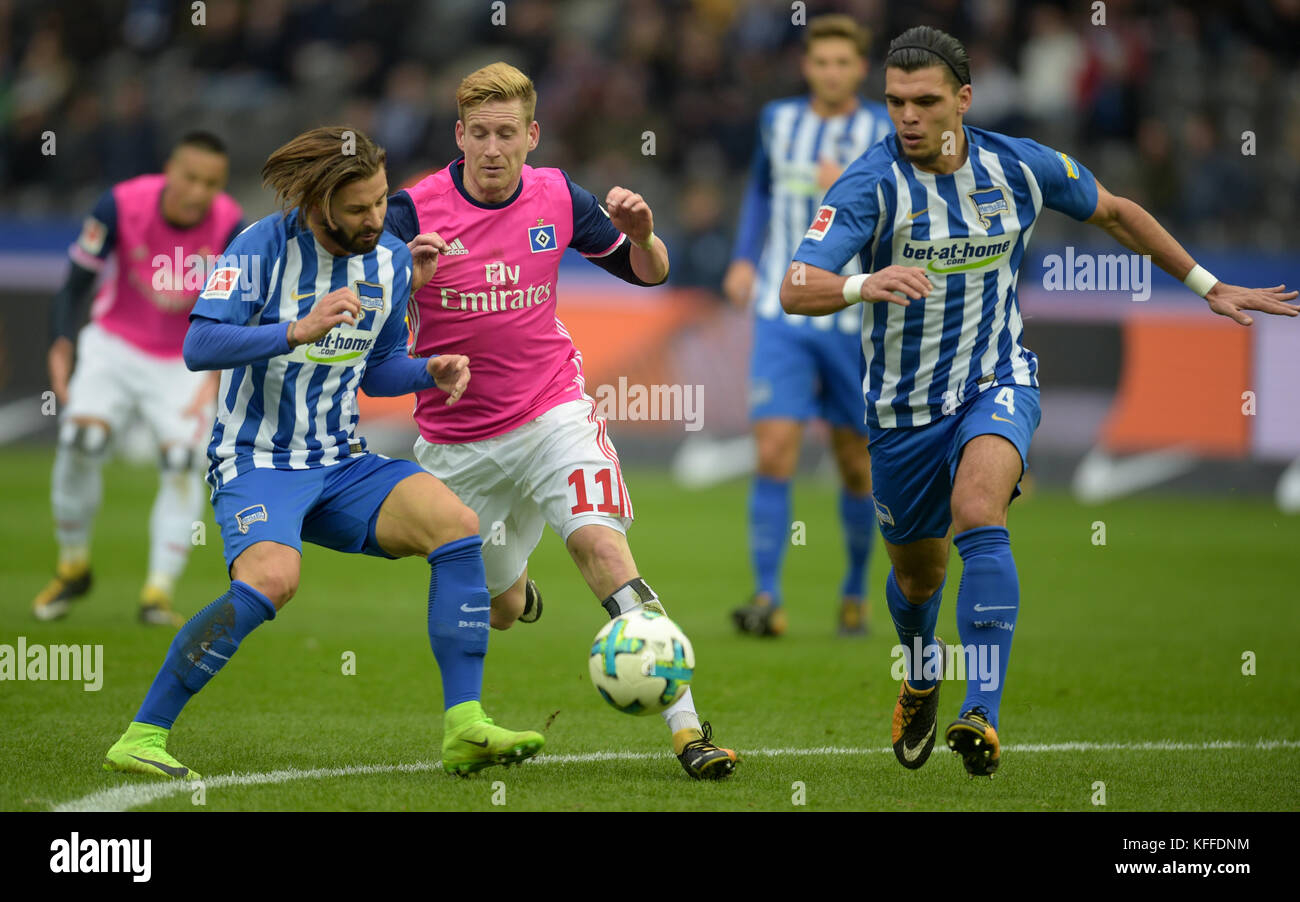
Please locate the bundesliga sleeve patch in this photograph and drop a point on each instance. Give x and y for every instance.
(821, 223)
(93, 233)
(221, 283)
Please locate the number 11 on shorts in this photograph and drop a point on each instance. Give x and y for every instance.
(604, 480)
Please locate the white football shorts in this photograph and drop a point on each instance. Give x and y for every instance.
(114, 379)
(560, 468)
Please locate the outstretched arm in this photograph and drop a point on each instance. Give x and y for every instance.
(389, 371)
(813, 291)
(213, 345)
(1136, 229)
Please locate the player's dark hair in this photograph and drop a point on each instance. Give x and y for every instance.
(922, 47)
(306, 172)
(203, 140)
(837, 25)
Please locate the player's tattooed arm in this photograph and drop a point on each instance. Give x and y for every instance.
(632, 216)
(814, 291)
(1136, 229)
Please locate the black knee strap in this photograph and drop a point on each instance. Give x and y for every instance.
(89, 438)
(176, 458)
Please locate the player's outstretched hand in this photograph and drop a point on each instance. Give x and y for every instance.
(738, 283)
(910, 280)
(425, 249)
(1234, 300)
(339, 306)
(60, 364)
(630, 214)
(450, 373)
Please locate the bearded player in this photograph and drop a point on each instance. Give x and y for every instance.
(161, 232)
(803, 367)
(311, 307)
(525, 448)
(939, 214)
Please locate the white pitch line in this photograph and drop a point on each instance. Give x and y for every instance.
(134, 795)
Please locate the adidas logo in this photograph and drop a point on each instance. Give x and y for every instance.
(455, 249)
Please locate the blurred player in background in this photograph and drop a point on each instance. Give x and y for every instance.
(156, 228)
(940, 213)
(525, 447)
(311, 307)
(800, 367)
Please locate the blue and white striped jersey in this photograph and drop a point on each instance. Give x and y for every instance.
(298, 410)
(783, 193)
(969, 230)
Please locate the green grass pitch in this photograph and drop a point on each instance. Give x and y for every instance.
(1140, 640)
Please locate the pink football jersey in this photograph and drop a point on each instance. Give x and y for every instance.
(159, 270)
(493, 299)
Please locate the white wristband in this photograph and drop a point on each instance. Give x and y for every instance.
(853, 288)
(1199, 280)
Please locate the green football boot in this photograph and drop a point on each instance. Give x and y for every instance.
(471, 741)
(143, 750)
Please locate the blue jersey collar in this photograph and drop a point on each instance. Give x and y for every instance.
(458, 179)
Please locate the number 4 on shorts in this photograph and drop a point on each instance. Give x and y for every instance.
(605, 480)
(1007, 398)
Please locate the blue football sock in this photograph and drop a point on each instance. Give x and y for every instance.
(987, 605)
(458, 618)
(913, 621)
(201, 648)
(769, 522)
(858, 517)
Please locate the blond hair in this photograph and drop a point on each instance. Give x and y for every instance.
(306, 172)
(837, 25)
(499, 81)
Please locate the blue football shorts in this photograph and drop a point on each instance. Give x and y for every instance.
(334, 506)
(800, 372)
(912, 468)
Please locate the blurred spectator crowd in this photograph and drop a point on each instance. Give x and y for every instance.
(1155, 101)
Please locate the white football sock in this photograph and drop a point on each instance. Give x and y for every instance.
(178, 504)
(75, 492)
(680, 715)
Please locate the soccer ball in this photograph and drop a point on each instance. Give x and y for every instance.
(641, 662)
